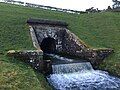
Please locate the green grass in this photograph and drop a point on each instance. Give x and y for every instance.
(16, 75)
(97, 30)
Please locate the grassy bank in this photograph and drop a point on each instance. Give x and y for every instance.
(97, 30)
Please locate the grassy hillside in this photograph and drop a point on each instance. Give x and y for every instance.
(97, 30)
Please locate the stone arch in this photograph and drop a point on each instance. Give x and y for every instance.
(48, 45)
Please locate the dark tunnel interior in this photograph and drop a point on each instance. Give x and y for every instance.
(48, 45)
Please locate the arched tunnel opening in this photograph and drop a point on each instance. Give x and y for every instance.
(48, 45)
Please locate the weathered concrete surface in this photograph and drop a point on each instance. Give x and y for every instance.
(65, 41)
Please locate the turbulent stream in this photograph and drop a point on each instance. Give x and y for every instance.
(73, 75)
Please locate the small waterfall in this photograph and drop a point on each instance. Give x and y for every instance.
(71, 68)
(80, 76)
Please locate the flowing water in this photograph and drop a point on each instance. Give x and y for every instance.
(80, 76)
(71, 68)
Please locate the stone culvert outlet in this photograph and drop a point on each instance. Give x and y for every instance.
(52, 36)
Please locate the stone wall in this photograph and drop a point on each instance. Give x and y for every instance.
(72, 44)
(66, 41)
(32, 57)
(45, 31)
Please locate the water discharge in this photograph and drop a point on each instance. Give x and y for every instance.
(71, 68)
(81, 76)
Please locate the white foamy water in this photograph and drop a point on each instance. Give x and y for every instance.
(70, 74)
(72, 77)
(92, 80)
(71, 68)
